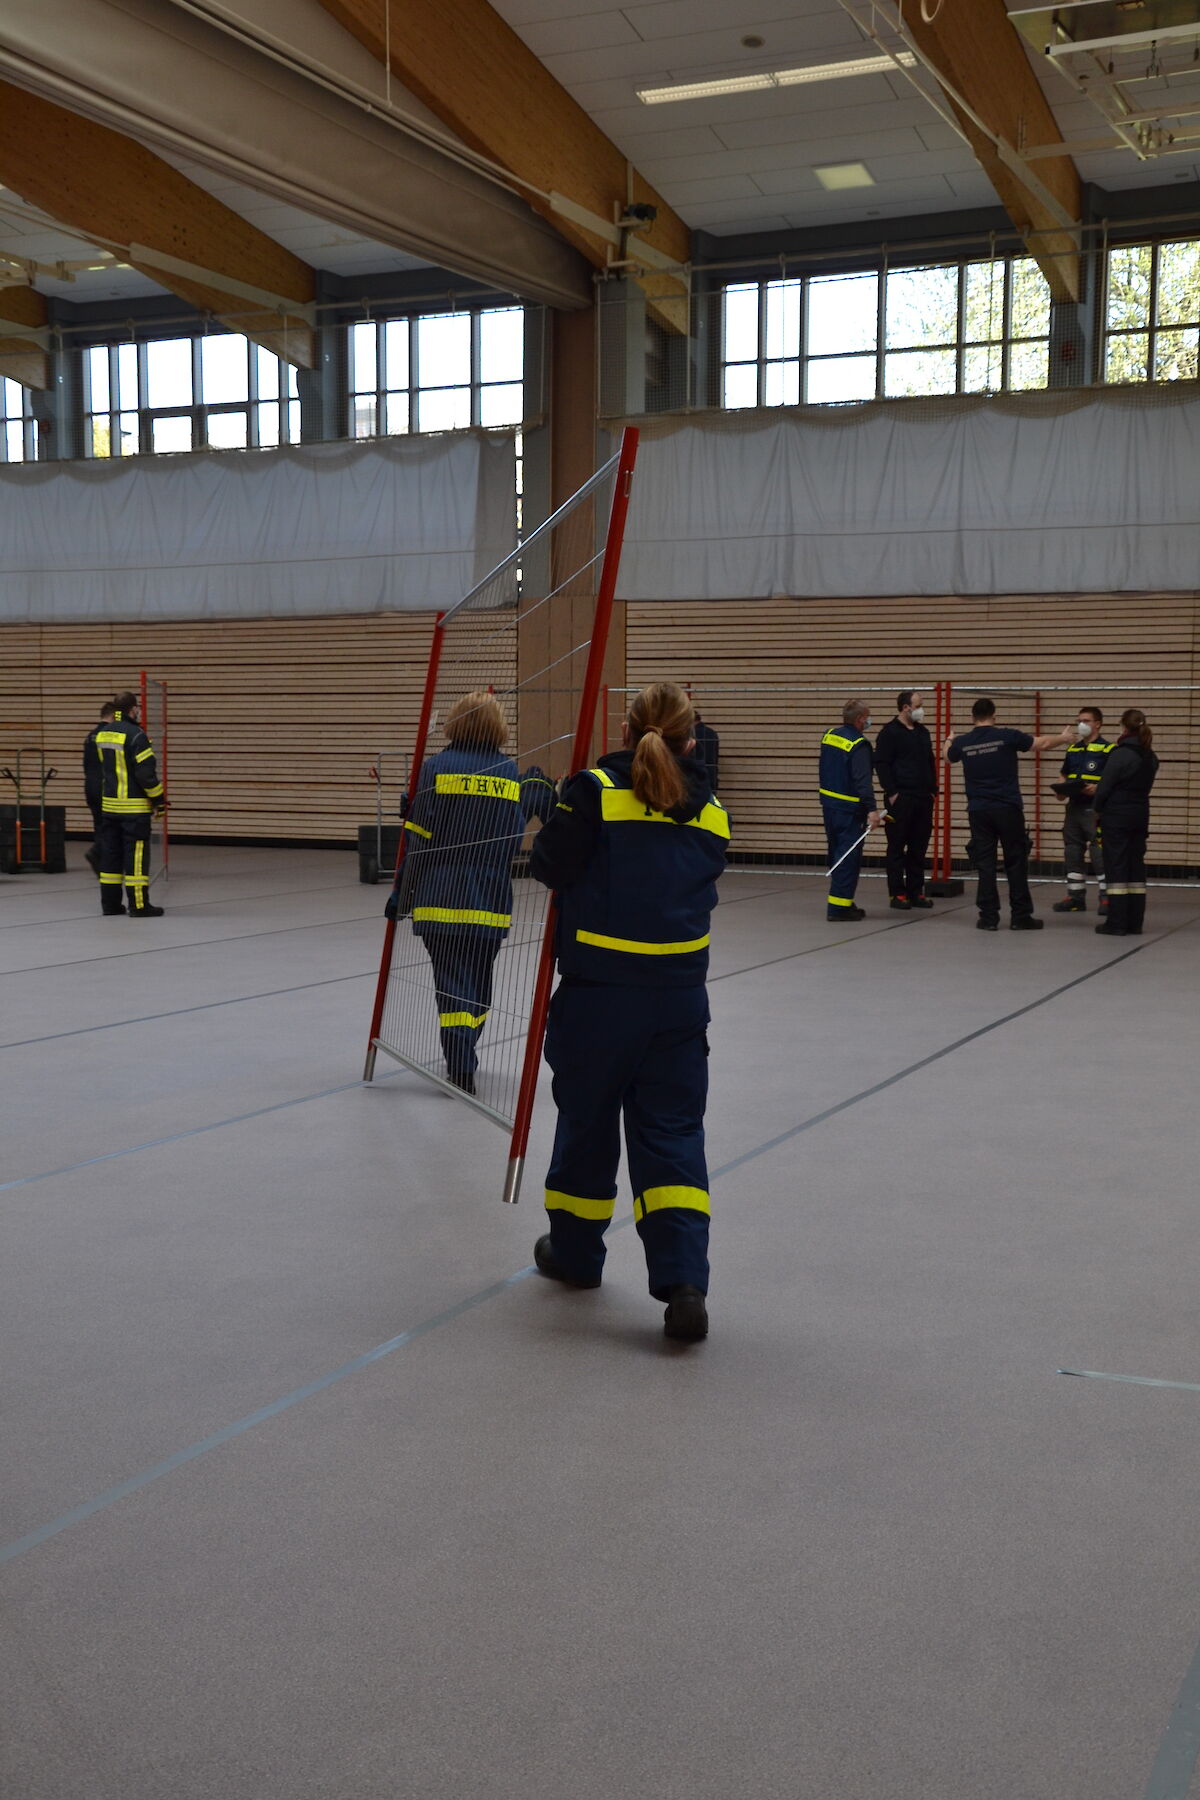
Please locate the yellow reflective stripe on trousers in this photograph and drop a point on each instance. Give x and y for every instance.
(832, 794)
(460, 915)
(448, 1020)
(479, 787)
(633, 947)
(836, 900)
(622, 805)
(419, 829)
(579, 1207)
(112, 880)
(658, 1199)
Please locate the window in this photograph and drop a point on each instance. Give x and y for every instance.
(829, 339)
(18, 431)
(172, 394)
(1152, 312)
(437, 372)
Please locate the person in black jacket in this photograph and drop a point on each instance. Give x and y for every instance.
(130, 792)
(907, 770)
(1122, 803)
(708, 752)
(633, 852)
(93, 785)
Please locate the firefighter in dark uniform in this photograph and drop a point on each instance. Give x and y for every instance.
(633, 853)
(130, 792)
(93, 785)
(1082, 768)
(996, 812)
(847, 806)
(461, 834)
(1122, 803)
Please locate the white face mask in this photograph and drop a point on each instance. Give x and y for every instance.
(917, 714)
(1083, 729)
(866, 725)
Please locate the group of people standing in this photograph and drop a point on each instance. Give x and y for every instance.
(1105, 785)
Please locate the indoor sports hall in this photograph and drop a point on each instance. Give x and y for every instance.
(393, 399)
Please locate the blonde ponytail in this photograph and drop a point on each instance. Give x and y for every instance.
(661, 722)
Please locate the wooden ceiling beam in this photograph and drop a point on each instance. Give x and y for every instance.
(116, 193)
(22, 358)
(977, 53)
(470, 67)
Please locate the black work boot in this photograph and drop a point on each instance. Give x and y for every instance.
(463, 1079)
(146, 912)
(844, 915)
(1116, 923)
(987, 924)
(549, 1266)
(921, 903)
(112, 912)
(686, 1316)
(1072, 903)
(899, 904)
(1027, 922)
(1136, 914)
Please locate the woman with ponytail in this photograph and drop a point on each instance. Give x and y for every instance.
(633, 851)
(1122, 804)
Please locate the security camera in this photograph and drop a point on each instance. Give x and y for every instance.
(637, 214)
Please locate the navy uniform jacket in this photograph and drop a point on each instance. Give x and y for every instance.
(1123, 797)
(844, 770)
(129, 781)
(463, 829)
(636, 888)
(988, 754)
(1083, 763)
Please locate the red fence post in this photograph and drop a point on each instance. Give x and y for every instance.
(1037, 778)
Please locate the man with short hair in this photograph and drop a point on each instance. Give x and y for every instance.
(847, 807)
(996, 811)
(907, 769)
(1083, 765)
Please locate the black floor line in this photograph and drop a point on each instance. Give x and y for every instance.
(236, 937)
(89, 1508)
(189, 907)
(176, 1012)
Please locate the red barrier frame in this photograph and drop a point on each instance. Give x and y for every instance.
(161, 759)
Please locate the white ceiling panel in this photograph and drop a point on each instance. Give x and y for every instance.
(718, 187)
(592, 31)
(763, 158)
(671, 18)
(805, 124)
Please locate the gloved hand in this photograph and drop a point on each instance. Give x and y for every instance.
(390, 910)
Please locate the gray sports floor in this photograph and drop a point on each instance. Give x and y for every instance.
(864, 1544)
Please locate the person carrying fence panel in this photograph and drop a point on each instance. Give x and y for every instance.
(633, 853)
(463, 827)
(847, 806)
(93, 785)
(130, 792)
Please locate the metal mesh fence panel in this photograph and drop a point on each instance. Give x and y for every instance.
(154, 723)
(465, 969)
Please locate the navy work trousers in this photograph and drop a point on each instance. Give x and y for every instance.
(463, 962)
(843, 824)
(124, 846)
(997, 827)
(641, 1052)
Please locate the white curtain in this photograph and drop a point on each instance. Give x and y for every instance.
(393, 524)
(1091, 491)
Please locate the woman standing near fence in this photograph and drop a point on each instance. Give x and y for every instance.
(1122, 806)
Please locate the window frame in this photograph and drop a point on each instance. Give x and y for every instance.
(24, 418)
(198, 412)
(475, 386)
(1151, 330)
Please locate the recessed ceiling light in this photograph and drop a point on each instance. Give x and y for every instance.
(749, 84)
(836, 176)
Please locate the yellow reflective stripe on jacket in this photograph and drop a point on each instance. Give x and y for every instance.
(840, 743)
(832, 794)
(124, 806)
(578, 1206)
(460, 915)
(461, 1018)
(563, 807)
(836, 900)
(154, 792)
(634, 947)
(145, 755)
(419, 829)
(606, 781)
(658, 1199)
(622, 805)
(479, 787)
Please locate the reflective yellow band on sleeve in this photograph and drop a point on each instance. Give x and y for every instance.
(479, 787)
(832, 794)
(836, 900)
(563, 807)
(449, 1020)
(144, 755)
(153, 793)
(659, 1199)
(579, 1207)
(458, 915)
(419, 829)
(605, 780)
(633, 947)
(621, 805)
